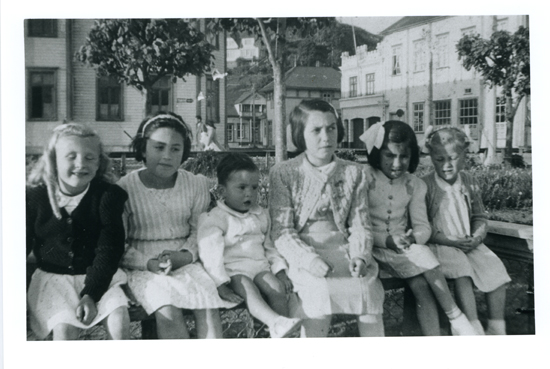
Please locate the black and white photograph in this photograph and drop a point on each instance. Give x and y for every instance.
(214, 186)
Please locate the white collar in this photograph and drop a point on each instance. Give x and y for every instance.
(256, 210)
(445, 186)
(64, 200)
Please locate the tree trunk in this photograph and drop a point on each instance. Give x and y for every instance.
(279, 114)
(148, 98)
(510, 112)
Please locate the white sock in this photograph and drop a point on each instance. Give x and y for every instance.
(496, 327)
(454, 313)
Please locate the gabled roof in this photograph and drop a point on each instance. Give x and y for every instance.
(407, 22)
(231, 95)
(309, 78)
(245, 95)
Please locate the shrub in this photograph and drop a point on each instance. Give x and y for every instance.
(204, 163)
(347, 155)
(502, 187)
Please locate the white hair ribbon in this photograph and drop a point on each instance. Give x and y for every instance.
(374, 136)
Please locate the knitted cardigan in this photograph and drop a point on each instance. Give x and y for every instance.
(88, 241)
(470, 189)
(295, 188)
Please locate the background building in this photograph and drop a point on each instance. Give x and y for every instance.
(60, 89)
(303, 83)
(395, 81)
(247, 126)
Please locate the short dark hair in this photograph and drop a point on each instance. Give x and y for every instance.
(199, 117)
(234, 162)
(161, 120)
(397, 131)
(298, 118)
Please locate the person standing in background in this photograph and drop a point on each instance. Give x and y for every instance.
(198, 131)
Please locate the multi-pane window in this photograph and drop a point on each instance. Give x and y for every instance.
(109, 99)
(396, 60)
(442, 51)
(500, 113)
(42, 95)
(255, 123)
(212, 100)
(42, 27)
(418, 117)
(353, 86)
(327, 96)
(161, 95)
(370, 83)
(442, 112)
(419, 55)
(468, 111)
(229, 134)
(242, 131)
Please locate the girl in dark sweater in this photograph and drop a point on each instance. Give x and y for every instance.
(75, 230)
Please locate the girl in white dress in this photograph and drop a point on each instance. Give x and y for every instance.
(396, 203)
(459, 223)
(161, 219)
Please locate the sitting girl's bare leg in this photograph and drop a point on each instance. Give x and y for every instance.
(65, 332)
(466, 301)
(318, 327)
(460, 325)
(465, 297)
(274, 292)
(245, 287)
(495, 309)
(370, 325)
(426, 307)
(438, 284)
(209, 323)
(117, 324)
(171, 323)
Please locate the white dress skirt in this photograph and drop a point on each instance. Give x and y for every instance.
(338, 292)
(53, 299)
(189, 287)
(481, 264)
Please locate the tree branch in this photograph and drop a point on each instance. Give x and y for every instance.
(266, 41)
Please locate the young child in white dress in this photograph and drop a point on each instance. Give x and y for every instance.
(75, 230)
(235, 248)
(161, 219)
(459, 224)
(397, 208)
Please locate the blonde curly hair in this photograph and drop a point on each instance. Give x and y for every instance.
(45, 170)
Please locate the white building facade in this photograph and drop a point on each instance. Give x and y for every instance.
(415, 76)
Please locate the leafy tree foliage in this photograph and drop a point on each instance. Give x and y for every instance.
(504, 61)
(275, 34)
(140, 52)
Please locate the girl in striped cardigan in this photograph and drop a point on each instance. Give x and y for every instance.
(161, 224)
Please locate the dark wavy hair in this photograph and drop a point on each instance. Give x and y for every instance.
(298, 119)
(396, 131)
(161, 120)
(234, 162)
